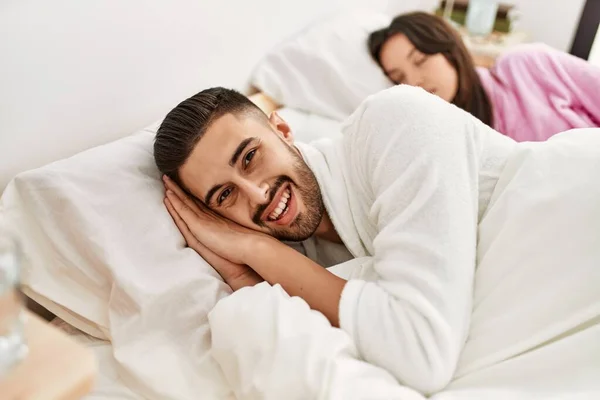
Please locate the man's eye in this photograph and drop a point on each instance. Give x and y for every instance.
(419, 61)
(249, 157)
(224, 194)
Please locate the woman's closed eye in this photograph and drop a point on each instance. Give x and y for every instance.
(420, 59)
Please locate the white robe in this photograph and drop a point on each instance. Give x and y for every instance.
(420, 193)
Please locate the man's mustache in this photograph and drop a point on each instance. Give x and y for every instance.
(261, 209)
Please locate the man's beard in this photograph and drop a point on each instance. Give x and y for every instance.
(306, 188)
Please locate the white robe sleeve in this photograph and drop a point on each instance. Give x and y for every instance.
(416, 159)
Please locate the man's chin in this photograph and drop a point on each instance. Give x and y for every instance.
(291, 238)
(291, 235)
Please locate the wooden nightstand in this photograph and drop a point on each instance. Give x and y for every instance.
(264, 102)
(485, 50)
(56, 368)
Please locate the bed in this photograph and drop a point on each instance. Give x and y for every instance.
(98, 73)
(97, 276)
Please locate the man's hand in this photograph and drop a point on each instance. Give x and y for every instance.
(195, 222)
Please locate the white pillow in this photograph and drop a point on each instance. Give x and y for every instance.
(326, 69)
(102, 252)
(96, 221)
(95, 218)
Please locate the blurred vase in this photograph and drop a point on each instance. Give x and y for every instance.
(481, 15)
(12, 340)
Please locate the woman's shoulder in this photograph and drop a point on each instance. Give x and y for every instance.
(528, 58)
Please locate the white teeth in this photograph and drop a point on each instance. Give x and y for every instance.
(275, 214)
(282, 206)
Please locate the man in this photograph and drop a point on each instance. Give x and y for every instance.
(397, 201)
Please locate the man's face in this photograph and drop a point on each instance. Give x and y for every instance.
(246, 169)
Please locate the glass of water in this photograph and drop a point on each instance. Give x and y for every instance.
(12, 340)
(481, 16)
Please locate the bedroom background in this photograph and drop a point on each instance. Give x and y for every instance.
(62, 93)
(75, 75)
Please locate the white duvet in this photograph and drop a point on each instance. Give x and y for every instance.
(534, 332)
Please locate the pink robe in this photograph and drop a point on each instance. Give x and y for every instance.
(537, 91)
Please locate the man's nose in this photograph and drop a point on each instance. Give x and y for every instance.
(257, 192)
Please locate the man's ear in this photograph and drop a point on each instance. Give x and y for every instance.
(281, 127)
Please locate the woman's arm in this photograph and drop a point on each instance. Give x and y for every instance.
(562, 79)
(581, 78)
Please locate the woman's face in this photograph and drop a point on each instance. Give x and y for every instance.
(403, 63)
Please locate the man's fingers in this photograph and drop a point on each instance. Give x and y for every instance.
(183, 227)
(172, 186)
(218, 263)
(189, 237)
(194, 204)
(185, 212)
(207, 211)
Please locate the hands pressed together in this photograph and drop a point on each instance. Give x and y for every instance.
(244, 257)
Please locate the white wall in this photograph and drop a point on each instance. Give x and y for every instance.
(396, 7)
(553, 22)
(77, 73)
(74, 74)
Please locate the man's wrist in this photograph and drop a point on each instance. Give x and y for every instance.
(247, 278)
(256, 246)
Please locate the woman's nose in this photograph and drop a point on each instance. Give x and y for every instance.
(414, 78)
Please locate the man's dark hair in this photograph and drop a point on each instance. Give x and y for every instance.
(184, 125)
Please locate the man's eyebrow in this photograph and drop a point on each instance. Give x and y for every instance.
(211, 193)
(239, 150)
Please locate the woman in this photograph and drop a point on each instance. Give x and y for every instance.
(530, 94)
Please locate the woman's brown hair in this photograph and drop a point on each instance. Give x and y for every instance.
(430, 34)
